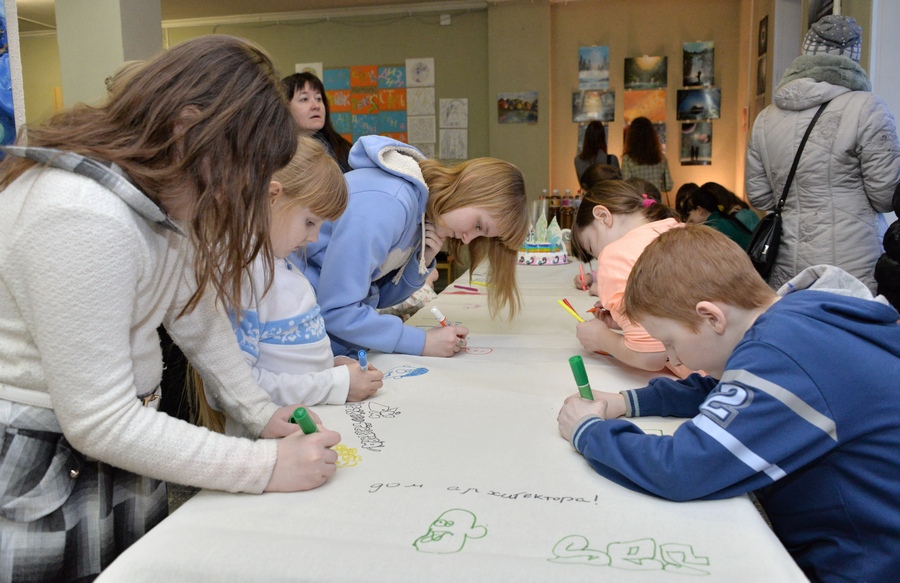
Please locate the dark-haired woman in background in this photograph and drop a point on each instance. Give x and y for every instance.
(309, 106)
(593, 150)
(643, 156)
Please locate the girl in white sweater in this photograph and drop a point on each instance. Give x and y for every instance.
(280, 328)
(113, 220)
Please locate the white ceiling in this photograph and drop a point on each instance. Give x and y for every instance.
(38, 15)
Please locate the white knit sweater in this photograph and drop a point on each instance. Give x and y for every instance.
(85, 283)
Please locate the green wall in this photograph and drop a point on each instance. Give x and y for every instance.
(459, 51)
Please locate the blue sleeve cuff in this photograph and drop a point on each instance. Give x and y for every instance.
(582, 426)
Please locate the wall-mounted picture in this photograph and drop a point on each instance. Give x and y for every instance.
(521, 107)
(697, 64)
(420, 72)
(593, 105)
(761, 67)
(336, 78)
(762, 38)
(646, 72)
(697, 104)
(593, 67)
(696, 144)
(649, 103)
(364, 76)
(391, 76)
(314, 68)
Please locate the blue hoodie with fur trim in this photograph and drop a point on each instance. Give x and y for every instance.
(371, 256)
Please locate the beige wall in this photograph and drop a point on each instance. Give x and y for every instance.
(40, 74)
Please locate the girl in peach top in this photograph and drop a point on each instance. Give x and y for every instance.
(614, 224)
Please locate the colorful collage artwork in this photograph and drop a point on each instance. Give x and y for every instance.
(368, 99)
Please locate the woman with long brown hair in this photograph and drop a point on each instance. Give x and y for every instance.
(115, 219)
(593, 150)
(311, 111)
(643, 156)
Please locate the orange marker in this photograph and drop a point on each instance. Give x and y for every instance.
(441, 317)
(581, 270)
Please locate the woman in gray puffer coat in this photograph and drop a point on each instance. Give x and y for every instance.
(849, 166)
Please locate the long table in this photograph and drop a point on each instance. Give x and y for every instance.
(455, 471)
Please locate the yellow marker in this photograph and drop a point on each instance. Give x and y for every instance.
(570, 310)
(481, 283)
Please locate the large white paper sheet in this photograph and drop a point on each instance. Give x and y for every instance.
(455, 471)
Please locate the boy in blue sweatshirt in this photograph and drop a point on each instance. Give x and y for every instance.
(801, 405)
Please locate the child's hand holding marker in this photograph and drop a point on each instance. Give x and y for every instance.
(446, 339)
(305, 460)
(365, 379)
(581, 324)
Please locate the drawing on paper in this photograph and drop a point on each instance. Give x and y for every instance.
(420, 101)
(593, 67)
(379, 411)
(420, 72)
(454, 144)
(638, 555)
(454, 113)
(347, 456)
(478, 351)
(448, 534)
(405, 370)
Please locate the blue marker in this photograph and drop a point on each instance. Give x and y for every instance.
(363, 363)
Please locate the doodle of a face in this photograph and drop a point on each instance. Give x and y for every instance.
(449, 532)
(477, 350)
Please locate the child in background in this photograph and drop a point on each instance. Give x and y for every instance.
(703, 208)
(115, 219)
(280, 328)
(414, 303)
(800, 406)
(614, 223)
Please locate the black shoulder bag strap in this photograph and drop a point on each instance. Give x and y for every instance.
(790, 178)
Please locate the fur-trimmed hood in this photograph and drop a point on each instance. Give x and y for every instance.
(811, 80)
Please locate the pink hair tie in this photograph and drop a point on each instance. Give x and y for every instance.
(647, 201)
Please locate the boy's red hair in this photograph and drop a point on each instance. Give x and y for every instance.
(683, 267)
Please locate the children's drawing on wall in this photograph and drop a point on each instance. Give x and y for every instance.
(421, 129)
(379, 411)
(427, 148)
(646, 72)
(454, 144)
(454, 113)
(314, 68)
(420, 72)
(348, 457)
(420, 100)
(638, 555)
(593, 67)
(364, 76)
(696, 144)
(449, 532)
(405, 370)
(696, 104)
(649, 103)
(593, 105)
(697, 64)
(7, 113)
(521, 107)
(762, 36)
(391, 76)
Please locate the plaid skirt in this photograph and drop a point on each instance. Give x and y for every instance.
(62, 517)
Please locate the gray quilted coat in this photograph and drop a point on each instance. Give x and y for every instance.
(846, 175)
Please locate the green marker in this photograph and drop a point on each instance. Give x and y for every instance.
(307, 425)
(584, 387)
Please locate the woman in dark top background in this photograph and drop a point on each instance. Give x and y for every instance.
(309, 106)
(593, 150)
